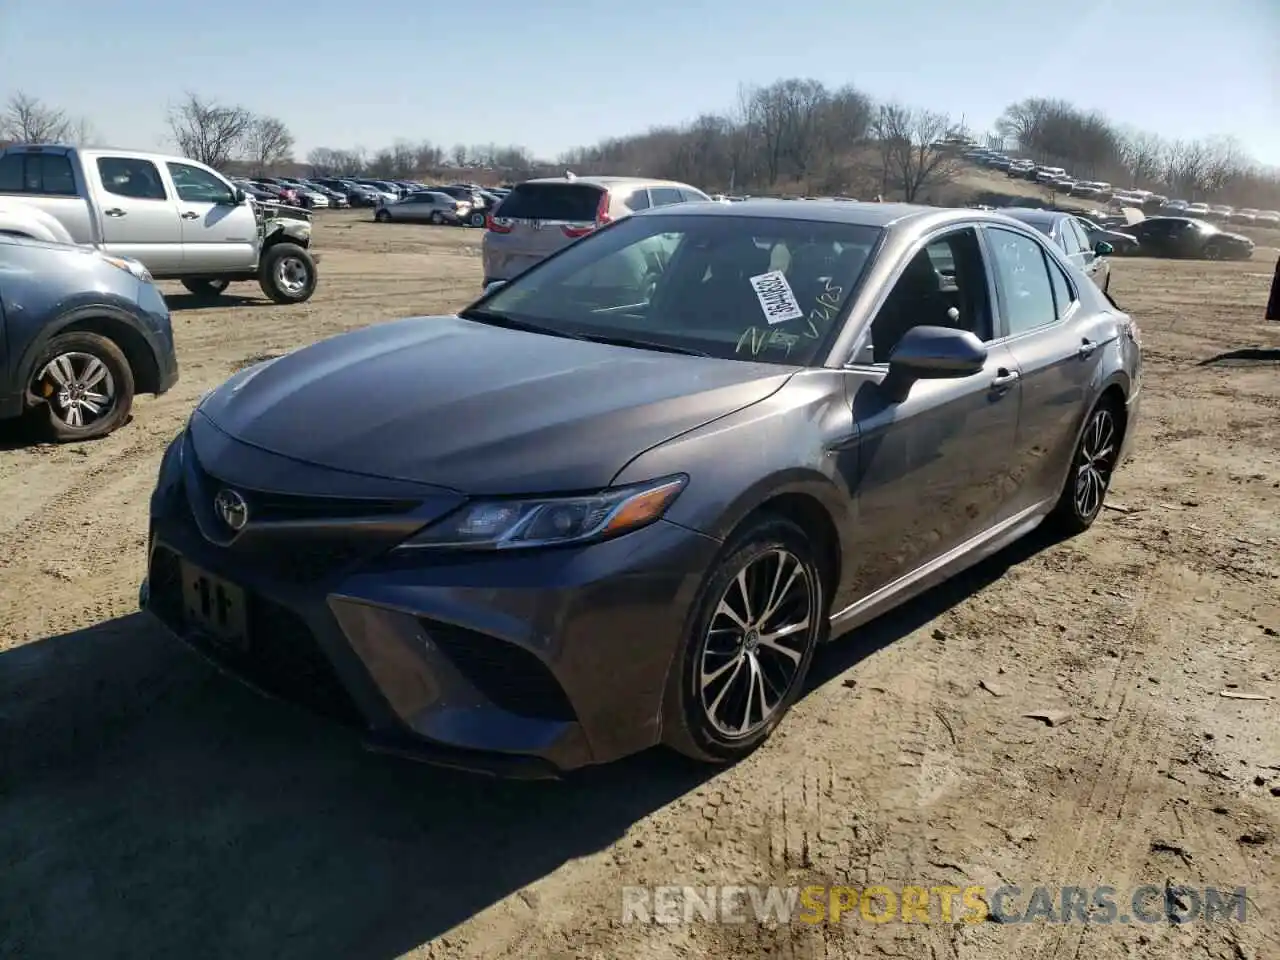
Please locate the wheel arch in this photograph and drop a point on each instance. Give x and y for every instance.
(805, 497)
(117, 326)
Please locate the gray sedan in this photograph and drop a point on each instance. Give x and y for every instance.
(623, 498)
(423, 206)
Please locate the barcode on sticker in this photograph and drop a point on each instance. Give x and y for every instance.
(775, 296)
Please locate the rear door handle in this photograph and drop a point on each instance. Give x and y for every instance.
(1005, 379)
(1086, 348)
(113, 212)
(190, 215)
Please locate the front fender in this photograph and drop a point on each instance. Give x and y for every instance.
(74, 313)
(784, 444)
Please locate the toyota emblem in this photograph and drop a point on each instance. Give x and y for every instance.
(231, 508)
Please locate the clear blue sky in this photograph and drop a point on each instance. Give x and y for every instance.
(552, 74)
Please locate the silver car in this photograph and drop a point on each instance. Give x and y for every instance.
(423, 206)
(540, 217)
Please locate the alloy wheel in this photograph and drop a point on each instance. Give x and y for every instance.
(79, 388)
(1094, 463)
(755, 643)
(291, 274)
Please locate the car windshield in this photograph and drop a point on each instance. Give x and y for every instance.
(751, 288)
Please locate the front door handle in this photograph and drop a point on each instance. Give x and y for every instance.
(1005, 379)
(1086, 348)
(113, 212)
(190, 215)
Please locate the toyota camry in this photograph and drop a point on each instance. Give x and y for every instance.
(619, 500)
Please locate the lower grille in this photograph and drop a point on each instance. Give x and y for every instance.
(510, 677)
(283, 658)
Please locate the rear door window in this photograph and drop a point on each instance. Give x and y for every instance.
(639, 200)
(569, 202)
(664, 196)
(131, 177)
(43, 173)
(693, 196)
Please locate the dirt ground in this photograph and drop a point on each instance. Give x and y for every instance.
(152, 808)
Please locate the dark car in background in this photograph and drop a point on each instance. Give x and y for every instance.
(623, 498)
(80, 334)
(1189, 238)
(357, 194)
(1065, 230)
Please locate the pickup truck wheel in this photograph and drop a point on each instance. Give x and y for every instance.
(287, 273)
(86, 386)
(206, 288)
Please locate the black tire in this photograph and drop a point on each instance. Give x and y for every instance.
(206, 289)
(437, 217)
(688, 723)
(287, 273)
(53, 412)
(382, 216)
(1075, 511)
(1211, 251)
(477, 220)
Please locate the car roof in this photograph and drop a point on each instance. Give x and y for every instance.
(1035, 214)
(861, 213)
(609, 181)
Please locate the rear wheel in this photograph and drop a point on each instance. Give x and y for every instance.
(1089, 479)
(207, 288)
(749, 644)
(86, 386)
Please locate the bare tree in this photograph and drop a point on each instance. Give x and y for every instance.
(207, 131)
(1142, 155)
(459, 155)
(267, 144)
(27, 119)
(907, 138)
(1186, 166)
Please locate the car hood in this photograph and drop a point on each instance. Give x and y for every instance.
(477, 408)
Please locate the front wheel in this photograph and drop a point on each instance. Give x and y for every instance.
(477, 219)
(748, 646)
(206, 289)
(1096, 457)
(287, 273)
(86, 385)
(382, 216)
(437, 217)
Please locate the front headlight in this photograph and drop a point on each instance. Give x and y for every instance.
(550, 521)
(130, 265)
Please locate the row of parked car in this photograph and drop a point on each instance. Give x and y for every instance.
(1058, 180)
(454, 203)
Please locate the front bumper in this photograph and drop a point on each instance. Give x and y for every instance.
(520, 665)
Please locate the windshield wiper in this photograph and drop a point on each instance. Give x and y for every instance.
(496, 319)
(643, 344)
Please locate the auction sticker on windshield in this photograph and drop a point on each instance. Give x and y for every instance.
(776, 299)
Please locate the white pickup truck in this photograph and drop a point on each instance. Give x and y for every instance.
(181, 219)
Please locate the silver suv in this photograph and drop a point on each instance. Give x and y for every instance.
(540, 217)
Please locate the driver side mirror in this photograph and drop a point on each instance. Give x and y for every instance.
(237, 197)
(932, 353)
(1103, 249)
(494, 285)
